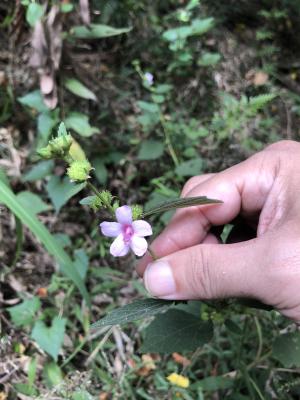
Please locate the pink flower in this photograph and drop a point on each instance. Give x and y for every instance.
(129, 234)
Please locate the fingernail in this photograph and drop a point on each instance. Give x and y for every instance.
(159, 279)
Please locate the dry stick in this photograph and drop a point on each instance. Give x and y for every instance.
(98, 347)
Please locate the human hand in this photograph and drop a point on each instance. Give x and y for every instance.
(265, 191)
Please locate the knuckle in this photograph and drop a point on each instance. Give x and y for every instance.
(201, 276)
(283, 145)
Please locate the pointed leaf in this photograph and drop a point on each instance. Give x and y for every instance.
(131, 312)
(78, 88)
(181, 203)
(60, 191)
(97, 31)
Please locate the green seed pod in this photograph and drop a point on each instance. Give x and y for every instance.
(79, 171)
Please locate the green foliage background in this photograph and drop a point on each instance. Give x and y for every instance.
(225, 84)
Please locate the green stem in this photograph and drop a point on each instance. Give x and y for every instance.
(93, 188)
(168, 140)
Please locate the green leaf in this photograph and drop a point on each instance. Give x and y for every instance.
(190, 168)
(80, 124)
(97, 31)
(26, 389)
(3, 177)
(100, 170)
(213, 383)
(88, 201)
(209, 59)
(45, 124)
(258, 102)
(34, 100)
(176, 331)
(52, 375)
(33, 202)
(181, 203)
(34, 13)
(8, 198)
(148, 107)
(77, 88)
(60, 191)
(81, 262)
(24, 314)
(286, 349)
(82, 395)
(131, 312)
(39, 171)
(198, 27)
(50, 339)
(150, 150)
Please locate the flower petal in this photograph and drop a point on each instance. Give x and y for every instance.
(110, 229)
(124, 215)
(142, 228)
(138, 245)
(118, 247)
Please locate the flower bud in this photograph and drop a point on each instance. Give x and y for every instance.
(137, 211)
(106, 197)
(57, 147)
(79, 171)
(45, 153)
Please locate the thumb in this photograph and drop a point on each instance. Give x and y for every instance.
(210, 271)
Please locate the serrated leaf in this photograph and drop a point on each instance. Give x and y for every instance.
(54, 248)
(176, 331)
(286, 349)
(79, 89)
(150, 150)
(23, 314)
(60, 191)
(181, 203)
(139, 309)
(97, 31)
(33, 202)
(50, 339)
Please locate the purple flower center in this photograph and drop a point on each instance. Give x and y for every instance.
(127, 233)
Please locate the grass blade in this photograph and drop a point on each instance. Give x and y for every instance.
(11, 201)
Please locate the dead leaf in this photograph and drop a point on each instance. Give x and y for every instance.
(260, 78)
(46, 44)
(178, 358)
(148, 366)
(103, 396)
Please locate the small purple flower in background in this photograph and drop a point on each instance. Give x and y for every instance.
(149, 78)
(129, 234)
